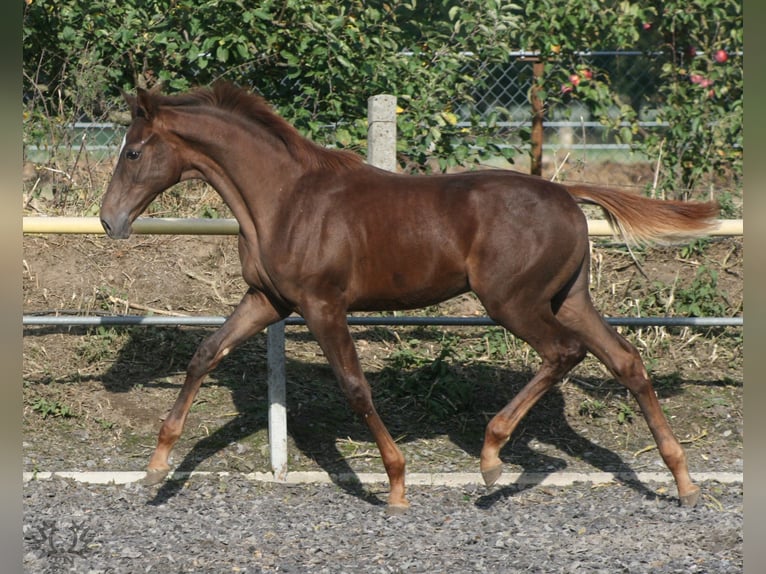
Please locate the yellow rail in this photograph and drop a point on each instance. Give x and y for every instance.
(185, 226)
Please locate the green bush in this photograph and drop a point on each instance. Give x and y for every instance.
(316, 61)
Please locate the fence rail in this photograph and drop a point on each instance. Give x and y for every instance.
(193, 226)
(60, 320)
(190, 226)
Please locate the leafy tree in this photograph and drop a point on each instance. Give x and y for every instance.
(693, 60)
(700, 90)
(317, 61)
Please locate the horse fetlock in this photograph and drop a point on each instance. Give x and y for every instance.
(496, 435)
(159, 461)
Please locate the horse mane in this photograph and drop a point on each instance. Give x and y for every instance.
(229, 97)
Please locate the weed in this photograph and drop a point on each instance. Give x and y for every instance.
(107, 295)
(713, 400)
(694, 249)
(701, 298)
(210, 212)
(48, 408)
(592, 408)
(729, 209)
(434, 384)
(101, 346)
(625, 413)
(496, 344)
(105, 424)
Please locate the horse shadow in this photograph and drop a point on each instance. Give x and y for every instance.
(318, 415)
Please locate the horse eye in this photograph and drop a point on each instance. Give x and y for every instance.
(132, 154)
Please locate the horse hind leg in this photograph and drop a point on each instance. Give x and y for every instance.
(560, 351)
(624, 362)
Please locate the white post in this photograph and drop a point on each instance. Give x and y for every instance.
(275, 361)
(381, 131)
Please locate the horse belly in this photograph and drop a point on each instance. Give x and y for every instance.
(408, 281)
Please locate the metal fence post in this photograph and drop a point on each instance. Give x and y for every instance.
(275, 363)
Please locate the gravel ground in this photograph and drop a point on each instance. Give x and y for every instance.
(216, 524)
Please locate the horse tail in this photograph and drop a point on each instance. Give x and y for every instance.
(644, 220)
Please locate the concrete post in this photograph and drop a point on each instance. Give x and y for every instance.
(381, 131)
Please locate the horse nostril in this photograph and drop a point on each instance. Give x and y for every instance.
(106, 227)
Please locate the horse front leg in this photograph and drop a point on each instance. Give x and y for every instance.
(253, 314)
(331, 331)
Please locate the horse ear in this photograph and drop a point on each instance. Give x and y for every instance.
(141, 106)
(130, 99)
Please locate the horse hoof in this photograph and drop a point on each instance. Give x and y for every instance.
(154, 476)
(491, 475)
(690, 499)
(397, 509)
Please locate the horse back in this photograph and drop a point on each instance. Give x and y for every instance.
(391, 241)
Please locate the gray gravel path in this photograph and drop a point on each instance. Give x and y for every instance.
(230, 524)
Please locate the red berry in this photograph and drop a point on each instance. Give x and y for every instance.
(575, 79)
(720, 56)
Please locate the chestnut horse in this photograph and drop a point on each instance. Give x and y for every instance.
(322, 234)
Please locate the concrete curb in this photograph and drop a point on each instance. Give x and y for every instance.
(417, 478)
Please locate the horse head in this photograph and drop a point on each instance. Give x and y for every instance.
(147, 165)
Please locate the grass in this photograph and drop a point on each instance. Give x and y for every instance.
(593, 408)
(101, 345)
(51, 408)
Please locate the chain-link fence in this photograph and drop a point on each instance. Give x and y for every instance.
(573, 126)
(568, 127)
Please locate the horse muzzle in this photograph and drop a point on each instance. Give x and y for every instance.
(117, 228)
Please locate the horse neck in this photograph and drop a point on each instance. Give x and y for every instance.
(247, 166)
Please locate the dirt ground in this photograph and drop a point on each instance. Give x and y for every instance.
(94, 398)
